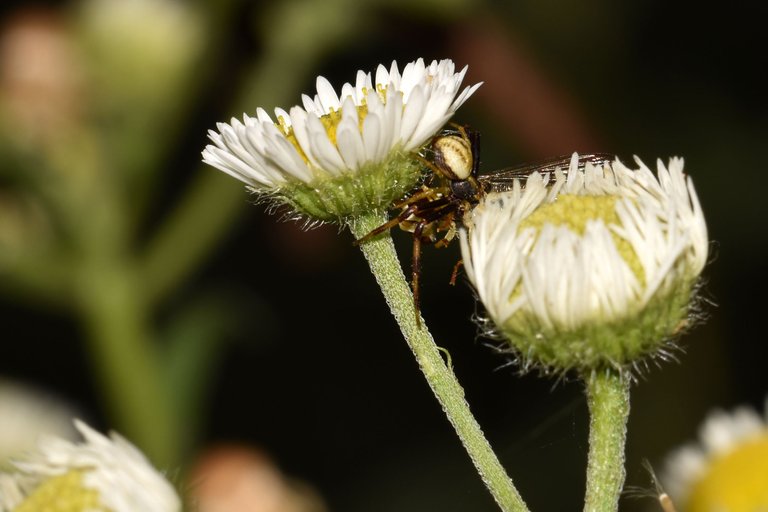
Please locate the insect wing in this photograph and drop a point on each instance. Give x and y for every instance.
(503, 179)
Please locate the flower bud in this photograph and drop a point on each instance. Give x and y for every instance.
(588, 270)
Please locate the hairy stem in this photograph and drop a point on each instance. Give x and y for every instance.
(608, 400)
(382, 259)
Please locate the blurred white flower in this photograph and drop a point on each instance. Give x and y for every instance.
(26, 415)
(361, 140)
(591, 269)
(727, 469)
(99, 474)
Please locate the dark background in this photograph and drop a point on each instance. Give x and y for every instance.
(316, 372)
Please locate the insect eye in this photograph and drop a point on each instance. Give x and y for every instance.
(453, 156)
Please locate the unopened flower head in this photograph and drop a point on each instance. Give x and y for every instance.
(343, 154)
(595, 270)
(727, 470)
(101, 475)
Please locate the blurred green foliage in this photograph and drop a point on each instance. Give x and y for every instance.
(107, 218)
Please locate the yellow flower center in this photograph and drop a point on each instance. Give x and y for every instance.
(736, 481)
(62, 493)
(330, 121)
(575, 211)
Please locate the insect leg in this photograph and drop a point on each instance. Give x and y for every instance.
(416, 269)
(394, 221)
(429, 165)
(424, 193)
(448, 224)
(455, 272)
(474, 142)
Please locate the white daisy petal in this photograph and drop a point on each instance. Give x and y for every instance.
(394, 76)
(282, 114)
(347, 92)
(464, 96)
(371, 136)
(351, 146)
(567, 281)
(262, 116)
(362, 83)
(412, 113)
(382, 75)
(325, 138)
(327, 95)
(322, 148)
(413, 75)
(301, 132)
(393, 115)
(376, 110)
(309, 105)
(117, 471)
(287, 158)
(434, 117)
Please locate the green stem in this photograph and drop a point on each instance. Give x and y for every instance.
(382, 259)
(125, 360)
(608, 400)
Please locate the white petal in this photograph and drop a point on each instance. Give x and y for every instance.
(327, 95)
(414, 109)
(286, 157)
(417, 102)
(362, 83)
(282, 114)
(351, 147)
(393, 116)
(382, 76)
(310, 105)
(371, 136)
(321, 147)
(299, 120)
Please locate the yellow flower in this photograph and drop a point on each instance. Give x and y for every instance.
(727, 470)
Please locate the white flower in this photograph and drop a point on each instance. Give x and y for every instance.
(11, 494)
(340, 133)
(599, 266)
(26, 415)
(727, 470)
(343, 155)
(99, 474)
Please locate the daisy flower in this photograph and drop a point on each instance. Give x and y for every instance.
(727, 470)
(347, 153)
(26, 415)
(100, 474)
(591, 268)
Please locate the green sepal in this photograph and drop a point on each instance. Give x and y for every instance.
(602, 344)
(375, 187)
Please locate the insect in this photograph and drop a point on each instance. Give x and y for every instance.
(434, 211)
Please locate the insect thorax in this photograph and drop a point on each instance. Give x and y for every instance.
(466, 190)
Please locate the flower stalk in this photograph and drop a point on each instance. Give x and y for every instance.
(383, 261)
(608, 401)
